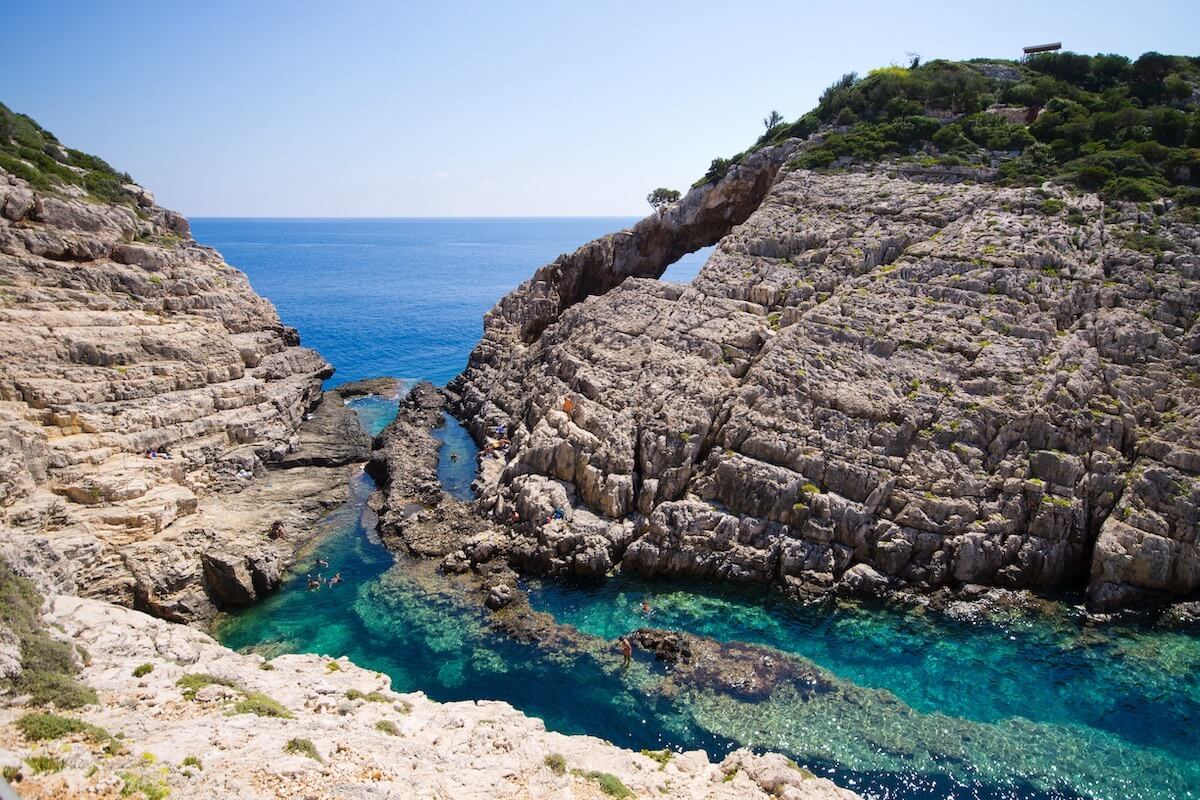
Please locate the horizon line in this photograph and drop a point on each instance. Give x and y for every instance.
(464, 216)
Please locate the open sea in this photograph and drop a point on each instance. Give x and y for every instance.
(1038, 706)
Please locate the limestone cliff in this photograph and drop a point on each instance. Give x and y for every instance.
(120, 335)
(886, 375)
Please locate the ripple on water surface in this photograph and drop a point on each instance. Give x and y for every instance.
(925, 706)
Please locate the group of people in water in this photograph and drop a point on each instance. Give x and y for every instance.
(321, 580)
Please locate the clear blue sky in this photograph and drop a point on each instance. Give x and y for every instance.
(458, 108)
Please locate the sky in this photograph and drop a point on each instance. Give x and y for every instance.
(480, 109)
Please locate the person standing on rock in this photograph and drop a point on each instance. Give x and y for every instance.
(626, 650)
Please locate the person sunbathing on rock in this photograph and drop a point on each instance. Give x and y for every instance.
(626, 650)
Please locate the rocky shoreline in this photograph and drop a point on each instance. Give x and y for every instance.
(881, 380)
(165, 450)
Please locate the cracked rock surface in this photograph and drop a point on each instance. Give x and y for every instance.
(877, 379)
(121, 335)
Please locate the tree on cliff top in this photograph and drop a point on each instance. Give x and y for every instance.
(661, 197)
(772, 121)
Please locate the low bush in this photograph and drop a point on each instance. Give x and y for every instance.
(261, 705)
(303, 747)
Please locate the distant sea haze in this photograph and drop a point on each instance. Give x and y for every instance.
(399, 297)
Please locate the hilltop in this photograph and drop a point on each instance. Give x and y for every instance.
(1127, 129)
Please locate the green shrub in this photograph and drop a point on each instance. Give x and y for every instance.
(57, 689)
(193, 682)
(12, 773)
(556, 763)
(1102, 119)
(261, 705)
(1140, 190)
(303, 747)
(149, 788)
(48, 664)
(44, 764)
(142, 670)
(192, 761)
(39, 727)
(610, 784)
(34, 154)
(372, 697)
(388, 727)
(663, 757)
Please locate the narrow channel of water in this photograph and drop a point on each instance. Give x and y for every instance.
(926, 706)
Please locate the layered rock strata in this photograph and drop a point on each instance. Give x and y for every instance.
(122, 338)
(876, 380)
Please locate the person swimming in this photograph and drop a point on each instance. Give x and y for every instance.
(336, 579)
(313, 583)
(646, 609)
(322, 562)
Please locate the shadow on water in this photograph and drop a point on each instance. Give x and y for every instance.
(927, 706)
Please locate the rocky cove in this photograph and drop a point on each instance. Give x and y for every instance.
(886, 472)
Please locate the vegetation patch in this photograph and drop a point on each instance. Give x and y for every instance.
(48, 665)
(137, 784)
(370, 697)
(142, 670)
(45, 764)
(192, 761)
(1128, 129)
(32, 153)
(261, 705)
(193, 682)
(610, 784)
(663, 757)
(388, 727)
(39, 727)
(303, 747)
(556, 763)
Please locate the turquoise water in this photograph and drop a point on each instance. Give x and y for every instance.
(918, 704)
(925, 706)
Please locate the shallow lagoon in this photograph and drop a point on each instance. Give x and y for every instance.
(1024, 706)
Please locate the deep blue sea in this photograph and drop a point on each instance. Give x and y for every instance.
(1023, 707)
(398, 297)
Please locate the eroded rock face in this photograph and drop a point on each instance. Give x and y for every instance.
(949, 383)
(120, 335)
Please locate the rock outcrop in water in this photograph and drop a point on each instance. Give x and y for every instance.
(201, 721)
(885, 376)
(120, 336)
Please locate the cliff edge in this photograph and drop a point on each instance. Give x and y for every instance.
(912, 361)
(146, 392)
